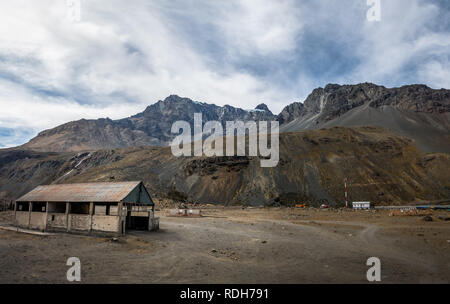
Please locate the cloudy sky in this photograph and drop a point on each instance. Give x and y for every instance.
(124, 55)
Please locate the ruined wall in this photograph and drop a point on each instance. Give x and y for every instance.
(100, 210)
(79, 222)
(38, 220)
(57, 220)
(22, 219)
(105, 223)
(113, 210)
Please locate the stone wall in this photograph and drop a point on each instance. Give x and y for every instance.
(79, 222)
(22, 218)
(57, 220)
(38, 220)
(105, 223)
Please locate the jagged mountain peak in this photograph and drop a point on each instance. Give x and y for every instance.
(263, 107)
(150, 127)
(178, 99)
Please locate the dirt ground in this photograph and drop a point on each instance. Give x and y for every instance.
(242, 246)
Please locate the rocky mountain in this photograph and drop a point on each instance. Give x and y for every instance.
(416, 111)
(263, 107)
(149, 128)
(381, 166)
(336, 137)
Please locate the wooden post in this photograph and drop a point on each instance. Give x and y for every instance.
(46, 216)
(120, 216)
(91, 213)
(68, 216)
(15, 213)
(30, 207)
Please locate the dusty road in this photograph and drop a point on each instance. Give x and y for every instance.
(242, 246)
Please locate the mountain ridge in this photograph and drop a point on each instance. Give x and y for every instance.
(416, 111)
(381, 167)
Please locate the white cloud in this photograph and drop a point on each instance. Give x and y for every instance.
(261, 26)
(119, 51)
(124, 56)
(402, 45)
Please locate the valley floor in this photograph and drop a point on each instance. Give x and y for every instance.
(242, 246)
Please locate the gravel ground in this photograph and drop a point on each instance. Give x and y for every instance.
(241, 246)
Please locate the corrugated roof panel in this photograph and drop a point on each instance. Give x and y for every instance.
(87, 192)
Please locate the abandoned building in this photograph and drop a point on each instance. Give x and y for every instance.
(85, 208)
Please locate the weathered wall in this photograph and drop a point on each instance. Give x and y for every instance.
(57, 220)
(38, 220)
(79, 222)
(22, 219)
(113, 210)
(100, 210)
(105, 223)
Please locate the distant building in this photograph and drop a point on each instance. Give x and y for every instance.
(361, 205)
(91, 207)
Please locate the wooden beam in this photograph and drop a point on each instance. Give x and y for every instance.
(119, 218)
(30, 207)
(46, 216)
(67, 216)
(15, 213)
(91, 212)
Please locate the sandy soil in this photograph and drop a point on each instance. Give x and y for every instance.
(242, 246)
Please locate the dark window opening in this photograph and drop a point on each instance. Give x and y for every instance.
(21, 206)
(57, 207)
(39, 207)
(79, 208)
(137, 222)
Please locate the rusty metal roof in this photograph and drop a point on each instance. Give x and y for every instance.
(88, 192)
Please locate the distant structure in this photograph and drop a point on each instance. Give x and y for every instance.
(90, 207)
(361, 205)
(185, 212)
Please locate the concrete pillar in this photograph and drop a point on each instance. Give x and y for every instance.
(91, 213)
(30, 208)
(46, 216)
(68, 216)
(120, 218)
(15, 213)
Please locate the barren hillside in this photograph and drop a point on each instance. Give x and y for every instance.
(382, 167)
